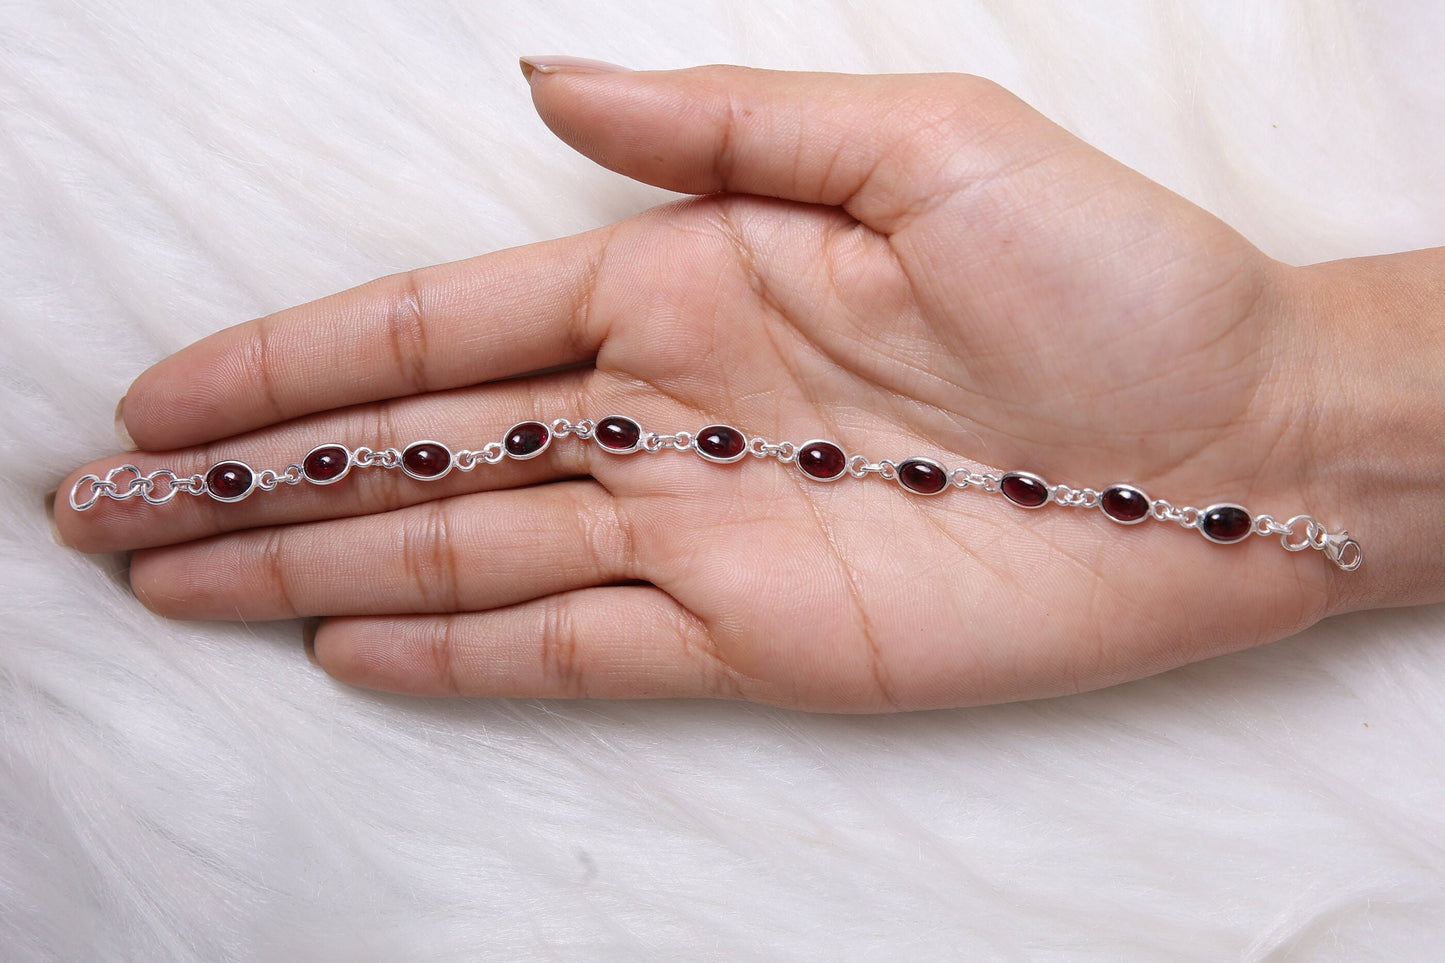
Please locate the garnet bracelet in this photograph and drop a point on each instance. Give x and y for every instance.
(230, 481)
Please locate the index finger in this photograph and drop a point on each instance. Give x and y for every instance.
(485, 318)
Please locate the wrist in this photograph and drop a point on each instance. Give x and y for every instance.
(1369, 339)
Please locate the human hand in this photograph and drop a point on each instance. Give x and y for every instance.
(914, 265)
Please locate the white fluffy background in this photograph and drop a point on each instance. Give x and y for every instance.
(201, 792)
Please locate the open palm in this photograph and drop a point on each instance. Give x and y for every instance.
(909, 266)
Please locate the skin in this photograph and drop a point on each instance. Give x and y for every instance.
(912, 265)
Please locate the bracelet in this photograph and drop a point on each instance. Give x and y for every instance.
(1224, 523)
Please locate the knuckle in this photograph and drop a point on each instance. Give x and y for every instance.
(259, 354)
(730, 116)
(428, 559)
(589, 398)
(575, 399)
(406, 329)
(608, 537)
(393, 493)
(587, 327)
(275, 572)
(562, 669)
(441, 649)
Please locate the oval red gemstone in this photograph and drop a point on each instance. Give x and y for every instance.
(616, 433)
(1225, 523)
(822, 460)
(922, 476)
(1124, 503)
(325, 464)
(229, 481)
(426, 459)
(1024, 489)
(721, 443)
(526, 439)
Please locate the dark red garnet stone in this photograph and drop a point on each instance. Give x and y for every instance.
(327, 463)
(923, 477)
(1225, 523)
(721, 443)
(229, 480)
(822, 460)
(616, 433)
(1124, 504)
(526, 439)
(1025, 490)
(426, 459)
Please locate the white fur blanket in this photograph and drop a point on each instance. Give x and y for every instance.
(199, 791)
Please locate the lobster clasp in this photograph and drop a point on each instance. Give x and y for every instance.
(1344, 551)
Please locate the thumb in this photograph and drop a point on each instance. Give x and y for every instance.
(883, 147)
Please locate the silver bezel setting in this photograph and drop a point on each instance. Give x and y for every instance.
(233, 498)
(1030, 476)
(350, 460)
(636, 446)
(1123, 521)
(546, 443)
(1226, 541)
(714, 458)
(919, 459)
(798, 459)
(451, 461)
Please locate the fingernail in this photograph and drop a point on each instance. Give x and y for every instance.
(572, 65)
(308, 638)
(50, 517)
(127, 443)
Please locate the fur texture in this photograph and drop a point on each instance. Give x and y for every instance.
(199, 791)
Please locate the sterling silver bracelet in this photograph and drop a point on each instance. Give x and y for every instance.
(1224, 523)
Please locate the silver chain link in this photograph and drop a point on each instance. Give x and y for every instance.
(963, 478)
(680, 441)
(860, 467)
(784, 451)
(582, 429)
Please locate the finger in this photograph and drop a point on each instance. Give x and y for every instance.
(462, 419)
(441, 327)
(464, 554)
(881, 146)
(614, 642)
